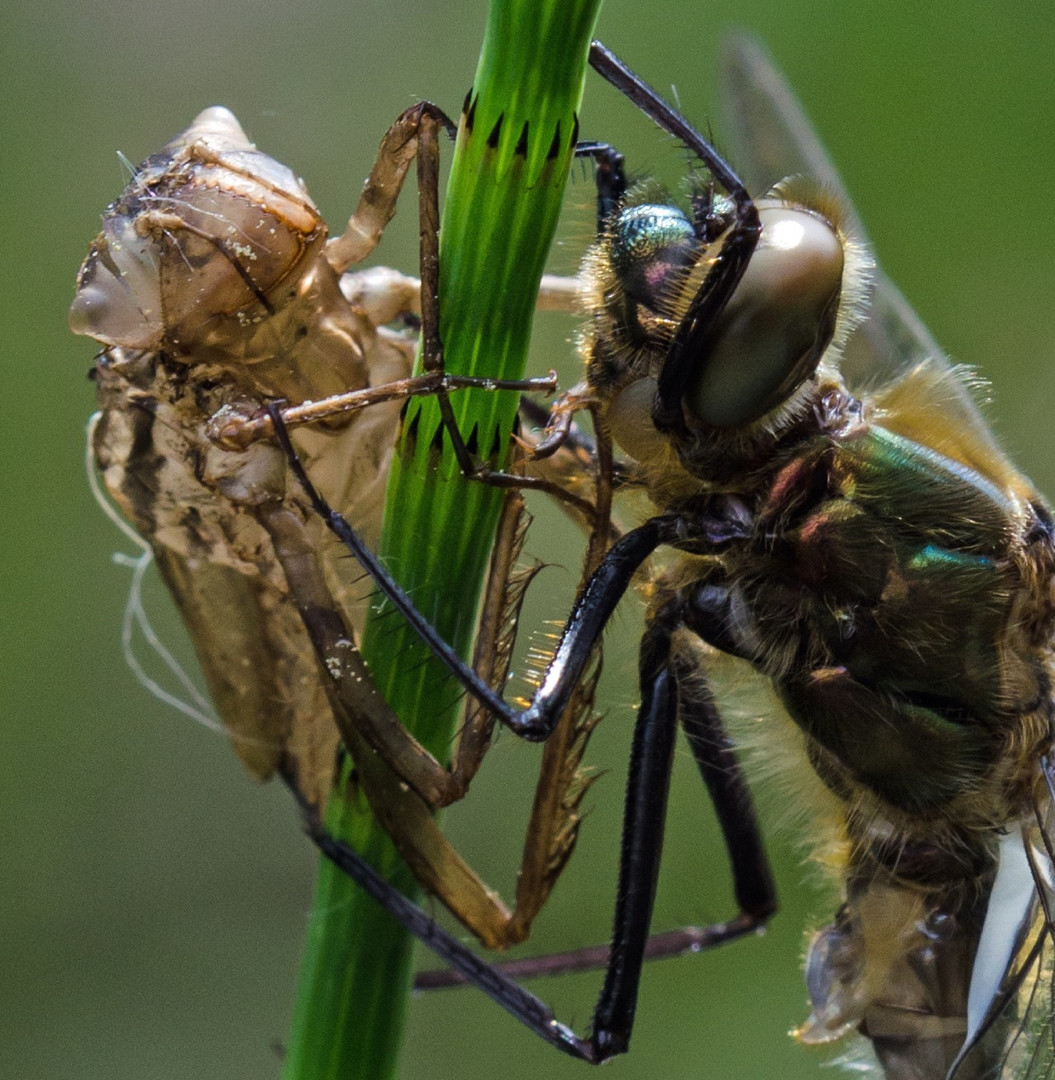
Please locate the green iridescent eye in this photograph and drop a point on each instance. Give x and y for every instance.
(652, 246)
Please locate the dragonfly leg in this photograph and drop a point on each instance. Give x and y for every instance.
(377, 204)
(650, 766)
(712, 749)
(519, 1002)
(609, 176)
(403, 783)
(671, 686)
(595, 605)
(753, 885)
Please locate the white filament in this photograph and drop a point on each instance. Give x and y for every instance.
(198, 708)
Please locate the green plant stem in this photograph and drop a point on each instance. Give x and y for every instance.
(506, 187)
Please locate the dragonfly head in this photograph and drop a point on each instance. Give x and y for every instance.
(743, 366)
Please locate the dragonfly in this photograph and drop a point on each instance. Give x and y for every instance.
(218, 294)
(843, 526)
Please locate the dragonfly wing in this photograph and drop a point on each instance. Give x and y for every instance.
(1011, 1037)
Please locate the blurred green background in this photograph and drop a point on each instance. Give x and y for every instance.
(152, 898)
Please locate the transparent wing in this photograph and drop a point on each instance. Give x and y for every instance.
(1014, 1038)
(891, 352)
(1034, 1002)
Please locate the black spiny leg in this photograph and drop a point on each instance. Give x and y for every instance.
(587, 621)
(645, 813)
(609, 176)
(712, 748)
(671, 688)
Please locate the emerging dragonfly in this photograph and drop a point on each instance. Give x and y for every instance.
(215, 291)
(846, 527)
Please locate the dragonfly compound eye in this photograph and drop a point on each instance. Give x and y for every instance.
(771, 335)
(652, 247)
